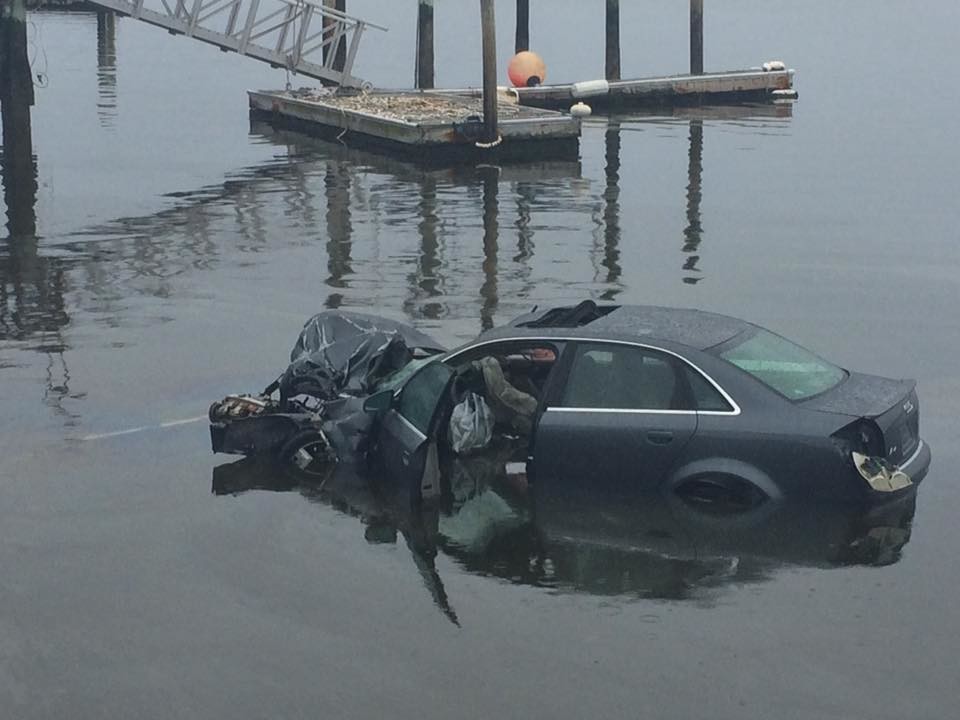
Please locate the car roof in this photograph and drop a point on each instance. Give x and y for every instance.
(692, 328)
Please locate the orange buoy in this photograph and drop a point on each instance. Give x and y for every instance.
(527, 69)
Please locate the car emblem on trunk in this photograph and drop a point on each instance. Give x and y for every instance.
(908, 407)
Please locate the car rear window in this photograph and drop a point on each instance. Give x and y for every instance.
(789, 369)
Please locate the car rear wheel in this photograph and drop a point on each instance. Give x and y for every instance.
(721, 494)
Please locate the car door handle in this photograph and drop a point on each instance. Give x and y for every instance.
(660, 437)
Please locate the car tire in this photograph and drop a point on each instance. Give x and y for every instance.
(721, 494)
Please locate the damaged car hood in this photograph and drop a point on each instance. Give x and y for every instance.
(344, 352)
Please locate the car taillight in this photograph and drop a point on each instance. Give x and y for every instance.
(862, 436)
(880, 474)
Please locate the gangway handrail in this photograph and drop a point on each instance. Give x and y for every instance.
(277, 32)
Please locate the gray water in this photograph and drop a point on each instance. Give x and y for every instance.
(179, 249)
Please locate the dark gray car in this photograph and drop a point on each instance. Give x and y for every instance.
(617, 400)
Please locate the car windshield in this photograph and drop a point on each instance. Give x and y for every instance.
(789, 369)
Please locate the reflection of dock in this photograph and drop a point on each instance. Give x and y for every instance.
(421, 124)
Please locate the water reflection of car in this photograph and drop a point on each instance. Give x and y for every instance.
(655, 546)
(618, 400)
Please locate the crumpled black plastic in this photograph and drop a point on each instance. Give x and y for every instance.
(341, 352)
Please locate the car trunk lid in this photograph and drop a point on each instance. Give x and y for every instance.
(891, 404)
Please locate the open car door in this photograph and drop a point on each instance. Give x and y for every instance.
(407, 447)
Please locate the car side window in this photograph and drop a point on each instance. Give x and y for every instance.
(705, 396)
(422, 393)
(623, 377)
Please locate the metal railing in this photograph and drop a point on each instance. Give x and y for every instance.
(290, 34)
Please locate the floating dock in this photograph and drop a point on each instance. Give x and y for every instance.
(414, 170)
(421, 124)
(737, 86)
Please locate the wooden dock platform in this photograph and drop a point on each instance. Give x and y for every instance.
(417, 123)
(753, 85)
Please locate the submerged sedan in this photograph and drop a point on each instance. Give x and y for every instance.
(622, 399)
(595, 399)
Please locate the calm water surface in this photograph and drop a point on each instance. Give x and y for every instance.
(178, 250)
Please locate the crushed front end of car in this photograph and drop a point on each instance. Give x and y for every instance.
(312, 415)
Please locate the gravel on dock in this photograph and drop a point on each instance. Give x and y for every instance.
(413, 107)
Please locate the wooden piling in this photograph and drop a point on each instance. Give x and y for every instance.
(488, 23)
(340, 58)
(613, 40)
(106, 39)
(696, 37)
(425, 59)
(16, 98)
(523, 26)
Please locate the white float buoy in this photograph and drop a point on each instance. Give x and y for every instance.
(581, 110)
(590, 88)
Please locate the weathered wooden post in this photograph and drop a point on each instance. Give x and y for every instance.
(16, 97)
(696, 37)
(613, 40)
(523, 26)
(329, 27)
(488, 22)
(425, 59)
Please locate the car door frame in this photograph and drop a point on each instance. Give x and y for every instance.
(416, 451)
(560, 346)
(407, 453)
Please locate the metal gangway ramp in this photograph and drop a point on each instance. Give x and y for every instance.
(290, 34)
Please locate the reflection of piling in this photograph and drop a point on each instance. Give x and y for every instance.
(491, 236)
(16, 97)
(106, 65)
(526, 194)
(693, 233)
(613, 40)
(523, 26)
(488, 21)
(696, 37)
(611, 211)
(339, 229)
(424, 71)
(426, 280)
